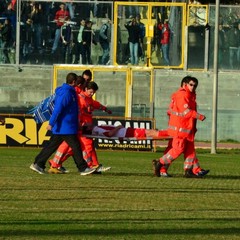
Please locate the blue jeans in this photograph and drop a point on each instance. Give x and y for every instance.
(106, 50)
(71, 10)
(165, 51)
(133, 48)
(37, 28)
(56, 39)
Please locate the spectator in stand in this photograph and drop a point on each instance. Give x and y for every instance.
(119, 43)
(11, 14)
(6, 37)
(66, 37)
(222, 45)
(104, 40)
(60, 17)
(156, 43)
(79, 43)
(87, 38)
(70, 8)
(133, 39)
(142, 36)
(233, 43)
(14, 5)
(165, 41)
(36, 20)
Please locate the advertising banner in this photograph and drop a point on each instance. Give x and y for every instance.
(22, 131)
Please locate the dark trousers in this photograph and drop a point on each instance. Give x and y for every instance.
(53, 145)
(78, 52)
(86, 54)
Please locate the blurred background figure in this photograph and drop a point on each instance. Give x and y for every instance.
(133, 39)
(78, 43)
(60, 17)
(141, 50)
(165, 41)
(6, 39)
(104, 40)
(66, 37)
(87, 38)
(233, 43)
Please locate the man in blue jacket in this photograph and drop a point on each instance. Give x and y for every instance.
(64, 126)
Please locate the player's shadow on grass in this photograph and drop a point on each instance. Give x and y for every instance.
(123, 174)
(229, 177)
(116, 232)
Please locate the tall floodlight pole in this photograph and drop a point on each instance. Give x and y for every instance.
(215, 82)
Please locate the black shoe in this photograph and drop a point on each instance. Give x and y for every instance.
(97, 172)
(189, 174)
(156, 167)
(202, 173)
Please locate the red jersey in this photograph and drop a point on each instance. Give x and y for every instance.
(165, 36)
(61, 16)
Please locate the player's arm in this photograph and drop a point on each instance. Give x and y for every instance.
(187, 112)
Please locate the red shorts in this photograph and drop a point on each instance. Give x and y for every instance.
(136, 132)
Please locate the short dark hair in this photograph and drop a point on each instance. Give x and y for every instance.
(92, 85)
(71, 77)
(80, 80)
(88, 73)
(187, 79)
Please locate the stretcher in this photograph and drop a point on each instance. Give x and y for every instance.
(129, 138)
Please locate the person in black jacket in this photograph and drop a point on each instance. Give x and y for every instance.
(87, 41)
(133, 39)
(6, 36)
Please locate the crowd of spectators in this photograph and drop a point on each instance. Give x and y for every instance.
(65, 31)
(41, 32)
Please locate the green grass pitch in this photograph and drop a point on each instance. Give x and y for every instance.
(127, 202)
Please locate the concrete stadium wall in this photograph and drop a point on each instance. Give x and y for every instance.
(23, 88)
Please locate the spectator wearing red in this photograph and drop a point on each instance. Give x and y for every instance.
(165, 41)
